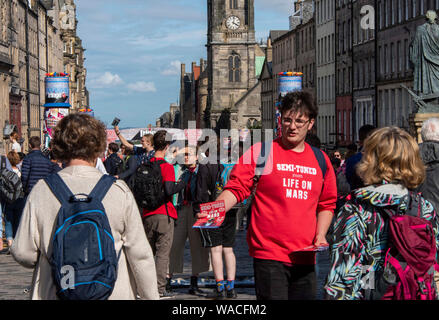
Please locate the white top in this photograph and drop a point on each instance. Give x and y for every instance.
(17, 171)
(16, 147)
(100, 166)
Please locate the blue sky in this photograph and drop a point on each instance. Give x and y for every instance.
(134, 49)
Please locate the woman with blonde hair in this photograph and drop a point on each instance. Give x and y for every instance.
(364, 240)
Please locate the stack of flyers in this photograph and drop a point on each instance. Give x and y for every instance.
(216, 213)
(315, 248)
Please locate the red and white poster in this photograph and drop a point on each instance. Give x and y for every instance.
(216, 213)
(193, 135)
(111, 136)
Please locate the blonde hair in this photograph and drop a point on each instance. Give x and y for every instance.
(392, 155)
(150, 138)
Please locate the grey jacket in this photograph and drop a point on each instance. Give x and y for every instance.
(33, 242)
(430, 188)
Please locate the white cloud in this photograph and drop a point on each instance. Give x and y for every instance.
(106, 80)
(162, 39)
(173, 69)
(142, 86)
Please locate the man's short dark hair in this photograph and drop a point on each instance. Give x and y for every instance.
(35, 142)
(313, 140)
(300, 101)
(365, 131)
(161, 140)
(335, 162)
(114, 147)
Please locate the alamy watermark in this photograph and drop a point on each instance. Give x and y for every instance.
(368, 281)
(227, 146)
(367, 17)
(68, 279)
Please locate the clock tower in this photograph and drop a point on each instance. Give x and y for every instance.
(232, 98)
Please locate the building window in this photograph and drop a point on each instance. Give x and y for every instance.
(233, 4)
(234, 68)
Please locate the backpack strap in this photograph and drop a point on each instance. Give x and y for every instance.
(59, 188)
(259, 170)
(159, 163)
(102, 187)
(320, 159)
(413, 204)
(260, 166)
(3, 163)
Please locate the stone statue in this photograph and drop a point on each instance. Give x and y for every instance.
(424, 54)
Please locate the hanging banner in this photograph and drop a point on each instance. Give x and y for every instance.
(278, 128)
(51, 118)
(57, 92)
(289, 82)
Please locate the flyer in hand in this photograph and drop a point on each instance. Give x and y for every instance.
(216, 213)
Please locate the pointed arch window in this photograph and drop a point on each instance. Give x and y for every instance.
(233, 4)
(234, 68)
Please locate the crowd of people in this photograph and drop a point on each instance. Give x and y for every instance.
(356, 207)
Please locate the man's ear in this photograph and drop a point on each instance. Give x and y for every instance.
(311, 124)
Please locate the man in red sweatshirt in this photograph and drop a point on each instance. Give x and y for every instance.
(292, 208)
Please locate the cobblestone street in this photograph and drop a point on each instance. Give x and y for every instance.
(15, 279)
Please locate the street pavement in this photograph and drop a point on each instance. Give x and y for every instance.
(15, 280)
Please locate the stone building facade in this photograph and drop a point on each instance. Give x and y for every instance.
(73, 54)
(364, 98)
(31, 45)
(325, 73)
(6, 65)
(189, 94)
(344, 63)
(268, 96)
(396, 28)
(233, 88)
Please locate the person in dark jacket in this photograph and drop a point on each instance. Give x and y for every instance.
(211, 179)
(129, 166)
(113, 163)
(429, 151)
(35, 166)
(354, 180)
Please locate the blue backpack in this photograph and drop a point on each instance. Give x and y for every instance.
(83, 245)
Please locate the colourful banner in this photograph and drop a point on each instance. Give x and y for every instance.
(288, 84)
(57, 92)
(51, 118)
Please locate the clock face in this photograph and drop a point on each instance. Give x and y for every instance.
(233, 22)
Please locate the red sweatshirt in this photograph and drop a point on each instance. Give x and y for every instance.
(287, 200)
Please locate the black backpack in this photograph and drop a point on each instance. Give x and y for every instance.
(118, 164)
(148, 187)
(11, 187)
(115, 165)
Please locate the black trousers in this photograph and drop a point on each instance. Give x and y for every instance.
(276, 281)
